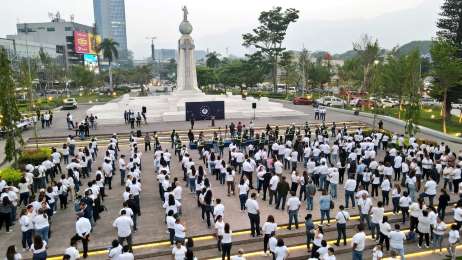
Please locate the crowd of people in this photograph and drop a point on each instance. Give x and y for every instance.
(284, 170)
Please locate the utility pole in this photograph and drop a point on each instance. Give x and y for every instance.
(31, 94)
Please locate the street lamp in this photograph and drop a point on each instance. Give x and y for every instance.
(153, 55)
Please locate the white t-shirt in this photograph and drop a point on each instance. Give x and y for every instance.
(360, 240)
(179, 230)
(179, 253)
(123, 225)
(72, 252)
(453, 236)
(293, 203)
(430, 187)
(377, 215)
(397, 239)
(281, 252)
(269, 227)
(220, 227)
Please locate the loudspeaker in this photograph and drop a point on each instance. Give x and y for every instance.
(143, 109)
(138, 133)
(254, 105)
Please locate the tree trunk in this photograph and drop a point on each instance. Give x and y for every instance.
(445, 98)
(110, 77)
(274, 74)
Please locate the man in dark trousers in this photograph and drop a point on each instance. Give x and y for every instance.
(282, 191)
(192, 121)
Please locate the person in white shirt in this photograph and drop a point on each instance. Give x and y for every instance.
(430, 190)
(358, 243)
(82, 230)
(115, 251)
(385, 229)
(122, 169)
(377, 217)
(350, 186)
(239, 256)
(454, 238)
(377, 253)
(268, 228)
(179, 251)
(397, 239)
(72, 251)
(438, 232)
(126, 254)
(124, 225)
(253, 211)
(180, 231)
(273, 184)
(365, 209)
(218, 209)
(219, 230)
(281, 252)
(293, 205)
(342, 218)
(226, 242)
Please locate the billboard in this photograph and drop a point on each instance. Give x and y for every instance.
(91, 61)
(205, 110)
(86, 42)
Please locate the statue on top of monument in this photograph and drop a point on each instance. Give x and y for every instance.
(185, 13)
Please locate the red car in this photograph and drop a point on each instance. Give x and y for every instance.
(302, 101)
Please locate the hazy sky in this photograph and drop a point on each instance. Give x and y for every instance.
(218, 24)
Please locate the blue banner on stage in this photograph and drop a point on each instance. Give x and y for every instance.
(205, 110)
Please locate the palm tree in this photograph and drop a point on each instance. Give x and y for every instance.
(108, 47)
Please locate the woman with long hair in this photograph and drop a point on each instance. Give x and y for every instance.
(27, 228)
(226, 242)
(268, 227)
(11, 254)
(6, 209)
(39, 249)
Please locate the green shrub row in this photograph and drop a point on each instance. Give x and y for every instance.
(34, 157)
(10, 174)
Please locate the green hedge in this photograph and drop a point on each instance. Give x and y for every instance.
(10, 174)
(34, 157)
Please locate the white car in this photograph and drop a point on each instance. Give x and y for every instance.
(456, 105)
(331, 101)
(69, 103)
(430, 102)
(385, 103)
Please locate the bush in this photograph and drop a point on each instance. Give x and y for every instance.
(10, 174)
(34, 157)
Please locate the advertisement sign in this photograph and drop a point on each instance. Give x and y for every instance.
(205, 110)
(86, 42)
(90, 61)
(81, 42)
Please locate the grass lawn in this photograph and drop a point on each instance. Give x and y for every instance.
(429, 117)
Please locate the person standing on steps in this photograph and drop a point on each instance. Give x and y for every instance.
(358, 243)
(293, 205)
(83, 229)
(342, 218)
(253, 211)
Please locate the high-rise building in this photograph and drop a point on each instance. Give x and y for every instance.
(55, 37)
(110, 23)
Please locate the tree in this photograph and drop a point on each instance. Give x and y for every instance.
(447, 69)
(393, 77)
(368, 53)
(212, 60)
(450, 25)
(413, 85)
(108, 47)
(205, 76)
(267, 38)
(290, 67)
(254, 70)
(230, 74)
(8, 108)
(450, 22)
(82, 77)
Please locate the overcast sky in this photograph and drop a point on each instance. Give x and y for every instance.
(329, 25)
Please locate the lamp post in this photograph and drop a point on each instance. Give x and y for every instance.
(153, 55)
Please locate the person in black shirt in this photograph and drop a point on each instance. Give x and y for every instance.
(443, 201)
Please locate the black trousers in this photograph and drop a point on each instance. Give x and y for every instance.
(254, 224)
(84, 243)
(226, 250)
(341, 231)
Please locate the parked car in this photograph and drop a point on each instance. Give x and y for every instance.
(358, 102)
(70, 103)
(385, 103)
(302, 101)
(330, 101)
(456, 105)
(430, 102)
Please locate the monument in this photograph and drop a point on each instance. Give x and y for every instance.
(172, 107)
(186, 66)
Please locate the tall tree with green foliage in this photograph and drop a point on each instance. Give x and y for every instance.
(205, 76)
(8, 108)
(83, 77)
(108, 48)
(412, 91)
(254, 70)
(291, 75)
(447, 70)
(368, 52)
(212, 60)
(267, 38)
(450, 28)
(392, 74)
